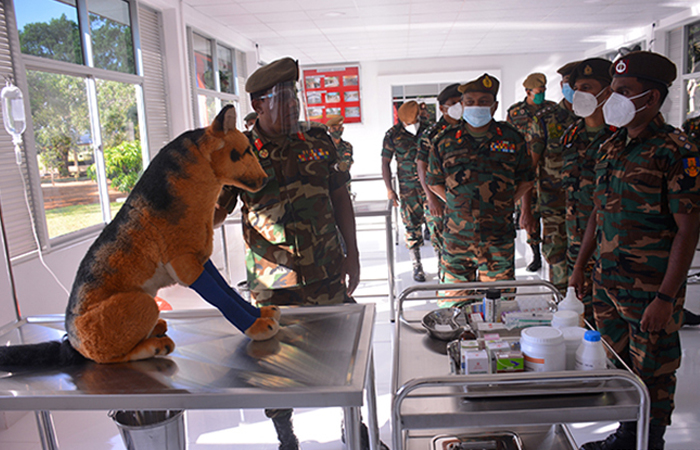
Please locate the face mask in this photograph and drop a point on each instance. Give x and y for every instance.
(413, 128)
(619, 110)
(455, 111)
(477, 116)
(336, 134)
(585, 103)
(568, 92)
(539, 98)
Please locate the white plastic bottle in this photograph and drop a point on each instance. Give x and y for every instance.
(591, 353)
(572, 303)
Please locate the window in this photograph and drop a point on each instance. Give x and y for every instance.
(215, 81)
(690, 74)
(86, 109)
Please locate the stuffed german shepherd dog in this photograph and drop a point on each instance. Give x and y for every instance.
(162, 235)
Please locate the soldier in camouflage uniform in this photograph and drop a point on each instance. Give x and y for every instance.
(479, 167)
(644, 229)
(448, 98)
(521, 115)
(335, 129)
(401, 141)
(692, 129)
(545, 147)
(292, 227)
(581, 142)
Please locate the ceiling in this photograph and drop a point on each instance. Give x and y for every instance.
(333, 31)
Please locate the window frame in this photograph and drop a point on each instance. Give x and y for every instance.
(91, 74)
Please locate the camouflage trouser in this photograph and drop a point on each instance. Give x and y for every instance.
(493, 260)
(535, 238)
(435, 225)
(412, 205)
(654, 357)
(326, 292)
(554, 247)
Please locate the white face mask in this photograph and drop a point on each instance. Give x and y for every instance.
(455, 111)
(585, 103)
(413, 128)
(619, 110)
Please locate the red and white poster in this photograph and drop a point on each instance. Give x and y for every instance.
(333, 91)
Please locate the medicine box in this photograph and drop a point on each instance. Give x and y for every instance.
(510, 361)
(475, 362)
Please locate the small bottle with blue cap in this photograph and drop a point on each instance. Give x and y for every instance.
(591, 353)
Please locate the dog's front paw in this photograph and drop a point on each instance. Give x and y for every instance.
(262, 329)
(271, 312)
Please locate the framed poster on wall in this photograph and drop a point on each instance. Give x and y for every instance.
(333, 91)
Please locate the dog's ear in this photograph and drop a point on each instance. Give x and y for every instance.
(226, 120)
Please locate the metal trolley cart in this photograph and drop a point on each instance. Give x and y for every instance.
(529, 410)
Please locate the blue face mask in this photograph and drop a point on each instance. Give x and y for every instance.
(568, 92)
(477, 116)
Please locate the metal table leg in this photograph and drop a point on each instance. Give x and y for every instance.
(372, 422)
(390, 265)
(352, 427)
(47, 433)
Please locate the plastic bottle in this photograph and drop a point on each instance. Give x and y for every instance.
(591, 354)
(564, 319)
(572, 303)
(491, 304)
(573, 336)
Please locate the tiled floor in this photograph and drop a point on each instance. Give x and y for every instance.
(320, 428)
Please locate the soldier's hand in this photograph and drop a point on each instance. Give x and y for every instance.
(391, 195)
(435, 205)
(576, 281)
(656, 316)
(528, 222)
(351, 273)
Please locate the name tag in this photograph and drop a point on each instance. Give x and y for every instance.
(601, 165)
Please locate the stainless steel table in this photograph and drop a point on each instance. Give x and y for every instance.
(321, 358)
(428, 401)
(365, 208)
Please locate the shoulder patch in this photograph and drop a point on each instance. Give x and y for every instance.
(691, 166)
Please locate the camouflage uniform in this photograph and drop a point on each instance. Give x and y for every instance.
(521, 115)
(480, 178)
(426, 144)
(640, 185)
(692, 129)
(345, 158)
(545, 133)
(580, 152)
(293, 247)
(402, 144)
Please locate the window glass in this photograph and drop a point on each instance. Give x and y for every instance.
(226, 77)
(203, 63)
(120, 139)
(207, 109)
(110, 30)
(693, 48)
(49, 29)
(64, 151)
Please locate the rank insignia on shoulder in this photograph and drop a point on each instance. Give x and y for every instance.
(691, 166)
(258, 144)
(459, 134)
(311, 154)
(503, 146)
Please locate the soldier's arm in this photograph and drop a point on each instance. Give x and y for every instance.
(659, 311)
(584, 254)
(345, 219)
(386, 175)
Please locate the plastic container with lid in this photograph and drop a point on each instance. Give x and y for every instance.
(565, 318)
(490, 303)
(572, 303)
(591, 353)
(544, 349)
(573, 336)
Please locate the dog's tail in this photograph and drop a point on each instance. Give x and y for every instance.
(45, 355)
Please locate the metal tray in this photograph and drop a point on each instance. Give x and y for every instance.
(502, 440)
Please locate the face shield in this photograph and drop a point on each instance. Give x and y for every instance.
(282, 106)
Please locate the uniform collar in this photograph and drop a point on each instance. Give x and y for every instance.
(261, 138)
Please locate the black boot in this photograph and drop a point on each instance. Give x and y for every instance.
(285, 432)
(418, 274)
(624, 438)
(536, 263)
(690, 318)
(656, 437)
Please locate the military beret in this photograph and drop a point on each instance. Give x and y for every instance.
(250, 116)
(595, 68)
(485, 83)
(567, 68)
(408, 111)
(535, 80)
(334, 120)
(449, 92)
(285, 69)
(646, 65)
